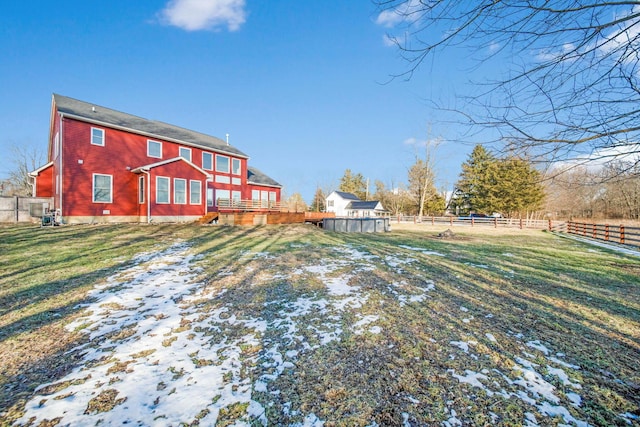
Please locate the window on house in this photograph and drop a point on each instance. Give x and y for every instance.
(222, 197)
(97, 136)
(185, 153)
(235, 166)
(102, 188)
(154, 149)
(179, 191)
(141, 189)
(56, 145)
(162, 189)
(209, 196)
(195, 193)
(329, 203)
(236, 197)
(207, 161)
(255, 194)
(272, 196)
(222, 164)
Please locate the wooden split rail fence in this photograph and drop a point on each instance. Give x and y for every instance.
(621, 234)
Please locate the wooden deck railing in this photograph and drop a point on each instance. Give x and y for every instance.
(237, 205)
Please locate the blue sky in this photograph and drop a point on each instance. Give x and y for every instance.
(302, 87)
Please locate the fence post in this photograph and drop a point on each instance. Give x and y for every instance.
(472, 221)
(433, 220)
(451, 221)
(606, 232)
(550, 226)
(520, 223)
(595, 233)
(622, 234)
(495, 222)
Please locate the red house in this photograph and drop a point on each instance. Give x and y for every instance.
(109, 166)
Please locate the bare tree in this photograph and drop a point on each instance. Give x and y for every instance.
(421, 177)
(25, 160)
(570, 86)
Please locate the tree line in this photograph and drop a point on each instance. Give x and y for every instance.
(489, 185)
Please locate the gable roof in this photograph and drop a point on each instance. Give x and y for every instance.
(40, 169)
(362, 205)
(150, 166)
(255, 176)
(347, 196)
(96, 114)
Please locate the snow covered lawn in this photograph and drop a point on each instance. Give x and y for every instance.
(304, 328)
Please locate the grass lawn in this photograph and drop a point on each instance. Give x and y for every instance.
(290, 325)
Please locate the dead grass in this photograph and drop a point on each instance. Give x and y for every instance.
(495, 290)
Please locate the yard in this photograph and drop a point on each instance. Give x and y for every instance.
(290, 325)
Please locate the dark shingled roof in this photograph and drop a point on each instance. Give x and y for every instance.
(254, 176)
(101, 115)
(360, 205)
(347, 196)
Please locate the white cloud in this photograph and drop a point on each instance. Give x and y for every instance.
(432, 142)
(405, 12)
(389, 18)
(194, 15)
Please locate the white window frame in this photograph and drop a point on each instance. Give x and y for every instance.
(95, 137)
(210, 197)
(149, 143)
(186, 150)
(236, 167)
(193, 200)
(56, 145)
(141, 189)
(93, 188)
(205, 154)
(168, 180)
(179, 200)
(227, 170)
(255, 195)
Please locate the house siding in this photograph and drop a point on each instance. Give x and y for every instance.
(123, 156)
(43, 183)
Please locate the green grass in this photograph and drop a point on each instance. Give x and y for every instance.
(578, 301)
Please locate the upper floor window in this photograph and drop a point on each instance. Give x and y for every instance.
(222, 164)
(56, 145)
(235, 166)
(154, 149)
(185, 153)
(97, 136)
(207, 161)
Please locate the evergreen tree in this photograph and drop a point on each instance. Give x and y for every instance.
(473, 190)
(510, 186)
(318, 203)
(354, 184)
